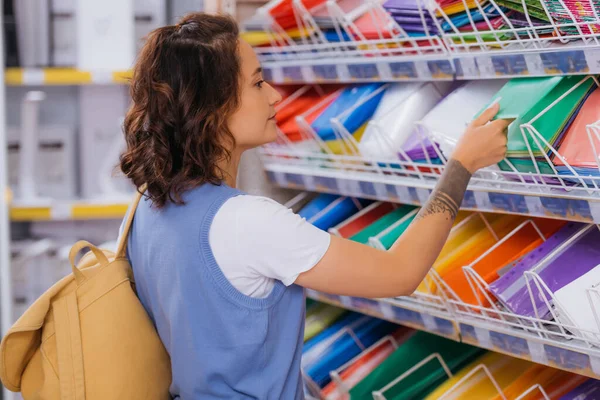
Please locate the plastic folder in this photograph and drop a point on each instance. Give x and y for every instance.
(345, 146)
(336, 211)
(517, 245)
(393, 122)
(478, 386)
(365, 363)
(460, 233)
(581, 256)
(314, 347)
(386, 238)
(284, 14)
(346, 110)
(523, 99)
(447, 121)
(576, 147)
(300, 105)
(574, 308)
(424, 380)
(474, 245)
(362, 219)
(588, 390)
(320, 317)
(259, 38)
(555, 382)
(317, 204)
(290, 127)
(381, 224)
(345, 348)
(374, 26)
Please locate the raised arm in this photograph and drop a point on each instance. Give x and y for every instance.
(350, 268)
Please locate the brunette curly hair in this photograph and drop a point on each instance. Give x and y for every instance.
(184, 87)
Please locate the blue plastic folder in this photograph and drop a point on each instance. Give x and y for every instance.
(345, 348)
(351, 120)
(335, 212)
(316, 205)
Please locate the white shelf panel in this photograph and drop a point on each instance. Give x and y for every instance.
(570, 355)
(511, 198)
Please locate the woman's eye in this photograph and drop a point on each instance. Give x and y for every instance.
(259, 84)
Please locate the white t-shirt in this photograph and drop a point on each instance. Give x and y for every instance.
(256, 241)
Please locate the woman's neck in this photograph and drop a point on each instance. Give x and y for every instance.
(231, 169)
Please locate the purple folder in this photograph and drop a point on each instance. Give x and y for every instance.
(580, 257)
(418, 28)
(411, 19)
(401, 4)
(414, 147)
(588, 390)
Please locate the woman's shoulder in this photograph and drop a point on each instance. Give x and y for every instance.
(250, 208)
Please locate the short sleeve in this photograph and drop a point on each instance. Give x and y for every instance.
(267, 239)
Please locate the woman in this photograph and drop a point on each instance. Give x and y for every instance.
(220, 272)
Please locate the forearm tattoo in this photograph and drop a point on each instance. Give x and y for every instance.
(449, 192)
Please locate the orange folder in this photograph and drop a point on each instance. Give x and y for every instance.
(556, 383)
(519, 244)
(470, 249)
(291, 129)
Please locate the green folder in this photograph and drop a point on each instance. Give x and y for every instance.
(381, 224)
(319, 317)
(524, 98)
(388, 238)
(425, 379)
(526, 165)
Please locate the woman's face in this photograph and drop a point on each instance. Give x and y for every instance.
(253, 124)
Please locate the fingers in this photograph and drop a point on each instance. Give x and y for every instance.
(500, 124)
(487, 115)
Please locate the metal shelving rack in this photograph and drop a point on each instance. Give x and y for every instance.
(312, 165)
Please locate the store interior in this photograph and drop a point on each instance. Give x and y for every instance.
(375, 97)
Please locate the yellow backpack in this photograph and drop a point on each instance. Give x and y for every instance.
(88, 337)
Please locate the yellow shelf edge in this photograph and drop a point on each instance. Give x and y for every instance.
(20, 214)
(101, 211)
(75, 211)
(63, 76)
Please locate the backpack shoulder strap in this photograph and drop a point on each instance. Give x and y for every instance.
(122, 245)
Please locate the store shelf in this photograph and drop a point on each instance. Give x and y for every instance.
(399, 311)
(570, 355)
(510, 198)
(440, 50)
(65, 210)
(486, 65)
(63, 76)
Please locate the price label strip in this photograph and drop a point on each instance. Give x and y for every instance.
(535, 65)
(486, 66)
(537, 352)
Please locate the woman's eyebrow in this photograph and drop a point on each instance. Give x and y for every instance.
(257, 71)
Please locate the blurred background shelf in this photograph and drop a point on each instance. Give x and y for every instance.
(61, 211)
(63, 76)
